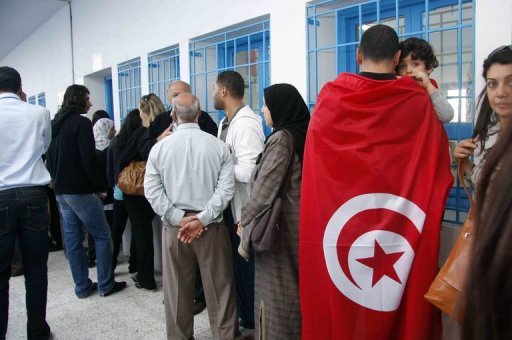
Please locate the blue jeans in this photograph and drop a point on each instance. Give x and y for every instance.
(24, 212)
(86, 209)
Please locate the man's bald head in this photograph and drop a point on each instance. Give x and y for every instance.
(176, 88)
(186, 108)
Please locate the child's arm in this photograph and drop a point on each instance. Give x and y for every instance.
(444, 110)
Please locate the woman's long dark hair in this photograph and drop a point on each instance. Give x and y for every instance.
(487, 118)
(131, 123)
(75, 99)
(488, 292)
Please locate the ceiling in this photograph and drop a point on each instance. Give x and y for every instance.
(20, 18)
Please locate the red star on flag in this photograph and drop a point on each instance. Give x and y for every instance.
(382, 264)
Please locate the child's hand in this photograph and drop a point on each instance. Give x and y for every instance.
(424, 81)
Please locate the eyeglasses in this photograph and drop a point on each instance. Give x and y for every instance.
(499, 49)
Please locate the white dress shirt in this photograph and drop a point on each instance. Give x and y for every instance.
(190, 170)
(25, 137)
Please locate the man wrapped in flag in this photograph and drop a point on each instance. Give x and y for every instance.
(376, 175)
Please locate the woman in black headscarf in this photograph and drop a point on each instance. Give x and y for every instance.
(276, 293)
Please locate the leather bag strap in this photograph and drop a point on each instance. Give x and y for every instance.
(462, 180)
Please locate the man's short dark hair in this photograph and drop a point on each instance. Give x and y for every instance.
(379, 43)
(233, 82)
(10, 79)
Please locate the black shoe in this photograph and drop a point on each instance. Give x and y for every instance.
(92, 289)
(91, 263)
(138, 285)
(199, 306)
(118, 286)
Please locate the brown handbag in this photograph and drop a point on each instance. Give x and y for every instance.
(131, 179)
(446, 289)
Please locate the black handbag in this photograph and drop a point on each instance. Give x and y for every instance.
(264, 235)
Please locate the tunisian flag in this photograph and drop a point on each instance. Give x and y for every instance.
(376, 175)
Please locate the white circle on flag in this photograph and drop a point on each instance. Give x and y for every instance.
(386, 293)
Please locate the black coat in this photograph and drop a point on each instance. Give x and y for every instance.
(71, 157)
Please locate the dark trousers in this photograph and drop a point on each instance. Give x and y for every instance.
(141, 216)
(55, 231)
(119, 220)
(24, 212)
(244, 276)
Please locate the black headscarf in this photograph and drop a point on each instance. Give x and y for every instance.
(288, 111)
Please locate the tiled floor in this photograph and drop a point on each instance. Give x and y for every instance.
(130, 314)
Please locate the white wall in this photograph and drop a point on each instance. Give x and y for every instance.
(493, 26)
(44, 60)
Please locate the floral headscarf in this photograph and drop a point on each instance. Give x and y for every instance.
(101, 131)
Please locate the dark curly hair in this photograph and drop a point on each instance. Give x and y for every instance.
(418, 49)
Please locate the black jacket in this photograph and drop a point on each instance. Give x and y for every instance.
(132, 151)
(162, 122)
(71, 157)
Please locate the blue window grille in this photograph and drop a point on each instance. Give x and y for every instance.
(333, 34)
(245, 49)
(41, 99)
(129, 86)
(163, 69)
(32, 100)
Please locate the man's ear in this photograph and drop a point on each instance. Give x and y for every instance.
(359, 57)
(174, 116)
(224, 91)
(396, 59)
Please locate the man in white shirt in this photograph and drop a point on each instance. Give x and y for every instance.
(25, 137)
(242, 130)
(189, 181)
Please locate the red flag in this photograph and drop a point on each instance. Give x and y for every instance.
(376, 175)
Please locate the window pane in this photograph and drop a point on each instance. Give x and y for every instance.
(200, 88)
(312, 76)
(388, 14)
(467, 13)
(208, 99)
(446, 75)
(198, 56)
(326, 66)
(311, 33)
(255, 87)
(242, 57)
(326, 30)
(467, 73)
(211, 58)
(244, 71)
(444, 16)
